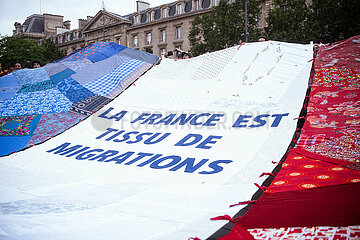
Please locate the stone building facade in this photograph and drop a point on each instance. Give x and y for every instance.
(154, 29)
(39, 26)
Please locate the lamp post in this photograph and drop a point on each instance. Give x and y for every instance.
(246, 30)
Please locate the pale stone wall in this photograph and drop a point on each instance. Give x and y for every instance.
(51, 22)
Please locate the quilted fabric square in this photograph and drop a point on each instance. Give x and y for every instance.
(40, 102)
(31, 76)
(111, 81)
(37, 86)
(61, 75)
(90, 105)
(106, 52)
(86, 52)
(8, 86)
(77, 65)
(99, 69)
(17, 125)
(53, 124)
(73, 90)
(54, 68)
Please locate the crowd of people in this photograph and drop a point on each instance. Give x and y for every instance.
(17, 66)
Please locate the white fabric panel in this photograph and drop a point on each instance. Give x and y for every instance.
(46, 195)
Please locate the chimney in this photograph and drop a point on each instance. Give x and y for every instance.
(18, 29)
(67, 24)
(82, 23)
(141, 6)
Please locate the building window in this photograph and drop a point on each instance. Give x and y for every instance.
(179, 9)
(164, 12)
(118, 41)
(178, 32)
(163, 35)
(137, 19)
(148, 38)
(135, 41)
(215, 2)
(150, 16)
(162, 52)
(196, 5)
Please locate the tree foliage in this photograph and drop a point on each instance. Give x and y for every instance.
(335, 20)
(327, 21)
(21, 49)
(224, 26)
(286, 21)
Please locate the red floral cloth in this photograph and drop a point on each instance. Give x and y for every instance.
(303, 170)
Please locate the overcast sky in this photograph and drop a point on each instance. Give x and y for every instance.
(12, 11)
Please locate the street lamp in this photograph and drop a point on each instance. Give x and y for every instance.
(246, 30)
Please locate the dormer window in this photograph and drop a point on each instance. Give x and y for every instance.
(150, 16)
(215, 3)
(196, 5)
(179, 9)
(164, 12)
(137, 19)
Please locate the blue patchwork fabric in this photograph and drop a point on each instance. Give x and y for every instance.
(61, 75)
(8, 86)
(106, 52)
(31, 76)
(37, 86)
(54, 68)
(86, 52)
(99, 69)
(77, 65)
(73, 90)
(10, 144)
(109, 82)
(139, 55)
(62, 93)
(47, 101)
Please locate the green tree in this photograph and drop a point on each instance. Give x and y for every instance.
(224, 26)
(327, 21)
(287, 21)
(21, 49)
(51, 52)
(335, 20)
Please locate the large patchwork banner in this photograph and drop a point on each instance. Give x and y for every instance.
(185, 141)
(38, 104)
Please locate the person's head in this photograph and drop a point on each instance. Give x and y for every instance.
(261, 39)
(17, 66)
(186, 55)
(36, 64)
(11, 69)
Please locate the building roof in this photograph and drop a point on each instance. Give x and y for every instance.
(34, 24)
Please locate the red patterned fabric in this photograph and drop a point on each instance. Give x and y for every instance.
(337, 77)
(340, 54)
(314, 233)
(333, 114)
(304, 171)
